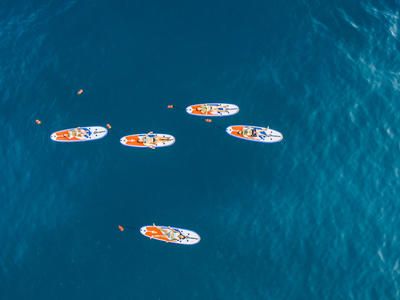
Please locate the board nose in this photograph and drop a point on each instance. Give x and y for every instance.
(277, 134)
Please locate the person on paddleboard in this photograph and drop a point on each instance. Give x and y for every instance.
(248, 132)
(78, 133)
(152, 140)
(171, 234)
(205, 108)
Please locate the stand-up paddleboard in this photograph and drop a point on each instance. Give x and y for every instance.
(212, 109)
(148, 140)
(79, 134)
(255, 133)
(170, 234)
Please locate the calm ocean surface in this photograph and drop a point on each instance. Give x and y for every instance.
(314, 217)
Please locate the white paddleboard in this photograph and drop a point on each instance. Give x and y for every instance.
(212, 109)
(148, 140)
(169, 234)
(255, 133)
(79, 134)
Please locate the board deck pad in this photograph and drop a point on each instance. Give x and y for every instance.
(148, 140)
(212, 109)
(255, 133)
(79, 134)
(169, 234)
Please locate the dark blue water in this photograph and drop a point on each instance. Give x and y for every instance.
(313, 217)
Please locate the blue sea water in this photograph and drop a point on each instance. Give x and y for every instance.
(313, 217)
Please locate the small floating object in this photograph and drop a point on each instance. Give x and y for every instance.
(79, 134)
(208, 120)
(38, 122)
(170, 234)
(255, 133)
(212, 109)
(121, 228)
(170, 106)
(148, 140)
(79, 92)
(108, 125)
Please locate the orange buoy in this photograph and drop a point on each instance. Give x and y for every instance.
(38, 122)
(79, 92)
(121, 228)
(170, 106)
(108, 125)
(208, 120)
